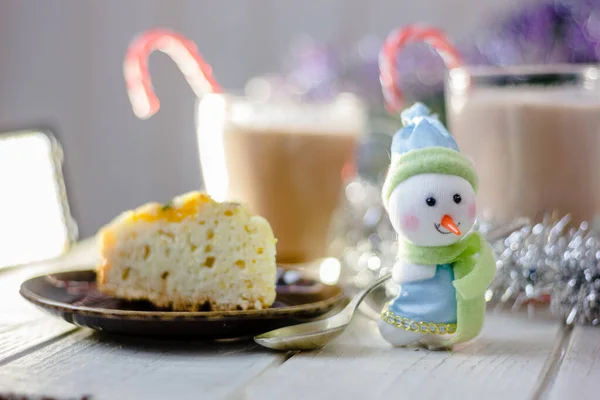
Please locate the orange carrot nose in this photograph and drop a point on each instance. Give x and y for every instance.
(448, 223)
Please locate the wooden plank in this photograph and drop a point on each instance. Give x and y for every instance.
(132, 368)
(14, 309)
(23, 327)
(504, 362)
(29, 336)
(579, 371)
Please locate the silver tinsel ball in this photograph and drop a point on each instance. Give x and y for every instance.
(576, 291)
(526, 263)
(551, 261)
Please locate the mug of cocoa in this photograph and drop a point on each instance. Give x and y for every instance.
(284, 159)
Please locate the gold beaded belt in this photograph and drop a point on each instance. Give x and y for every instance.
(416, 326)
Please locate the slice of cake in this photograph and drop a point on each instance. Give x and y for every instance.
(188, 254)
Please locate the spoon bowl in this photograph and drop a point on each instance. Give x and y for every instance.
(311, 336)
(316, 334)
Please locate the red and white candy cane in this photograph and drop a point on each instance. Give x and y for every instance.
(396, 40)
(181, 50)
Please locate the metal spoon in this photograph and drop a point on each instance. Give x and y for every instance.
(316, 334)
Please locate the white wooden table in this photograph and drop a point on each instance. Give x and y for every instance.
(516, 357)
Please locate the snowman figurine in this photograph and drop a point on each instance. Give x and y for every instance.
(442, 270)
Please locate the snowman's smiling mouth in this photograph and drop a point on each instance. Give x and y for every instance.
(438, 226)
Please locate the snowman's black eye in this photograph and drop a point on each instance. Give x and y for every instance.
(430, 201)
(457, 198)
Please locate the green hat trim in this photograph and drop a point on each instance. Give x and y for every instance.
(430, 160)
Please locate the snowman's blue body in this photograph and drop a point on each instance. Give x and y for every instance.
(424, 311)
(432, 300)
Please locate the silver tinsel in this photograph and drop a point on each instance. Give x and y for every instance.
(541, 262)
(364, 238)
(526, 263)
(576, 290)
(551, 261)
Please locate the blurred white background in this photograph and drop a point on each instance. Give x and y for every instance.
(61, 67)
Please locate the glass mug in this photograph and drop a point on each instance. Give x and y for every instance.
(533, 133)
(283, 159)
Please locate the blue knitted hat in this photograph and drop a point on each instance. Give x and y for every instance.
(421, 130)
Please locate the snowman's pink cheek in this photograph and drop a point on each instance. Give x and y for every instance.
(472, 210)
(410, 222)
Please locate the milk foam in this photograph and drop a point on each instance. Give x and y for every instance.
(572, 96)
(345, 115)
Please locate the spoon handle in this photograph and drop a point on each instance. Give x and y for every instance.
(363, 293)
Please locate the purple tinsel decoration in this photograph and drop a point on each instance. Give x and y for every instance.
(546, 32)
(541, 33)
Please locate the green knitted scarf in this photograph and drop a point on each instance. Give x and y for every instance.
(474, 268)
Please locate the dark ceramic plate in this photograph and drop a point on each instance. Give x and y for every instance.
(73, 297)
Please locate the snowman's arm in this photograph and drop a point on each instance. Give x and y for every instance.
(404, 272)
